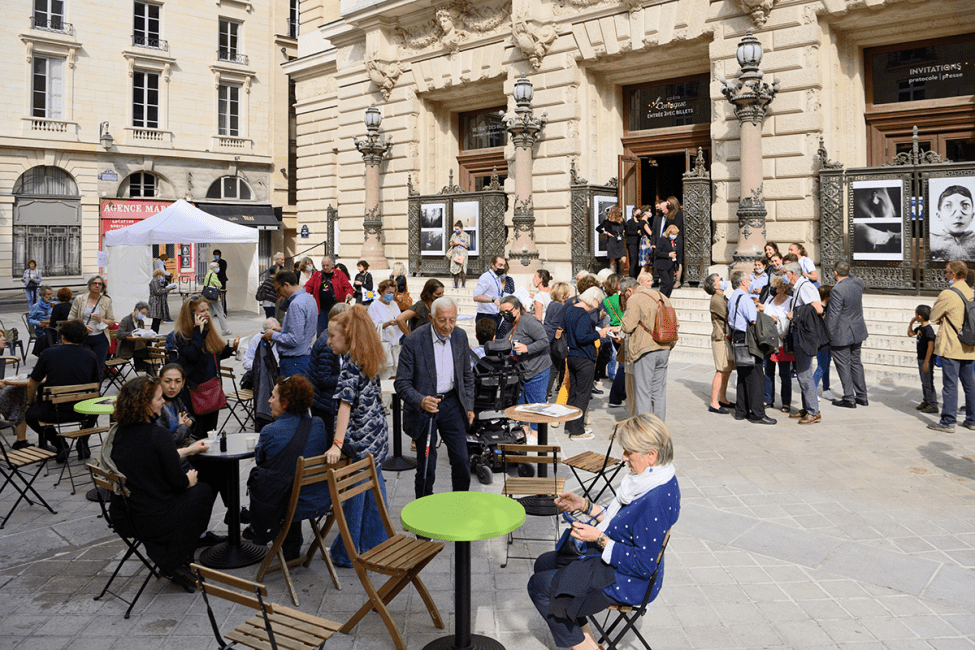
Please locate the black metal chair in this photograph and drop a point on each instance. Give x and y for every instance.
(57, 396)
(12, 467)
(239, 398)
(603, 466)
(109, 482)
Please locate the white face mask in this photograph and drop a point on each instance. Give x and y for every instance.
(309, 268)
(672, 237)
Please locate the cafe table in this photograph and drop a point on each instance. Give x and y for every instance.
(541, 505)
(96, 406)
(235, 552)
(463, 517)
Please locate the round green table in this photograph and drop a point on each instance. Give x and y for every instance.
(463, 517)
(96, 406)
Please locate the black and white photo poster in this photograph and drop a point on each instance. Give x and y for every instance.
(432, 240)
(950, 213)
(600, 209)
(878, 221)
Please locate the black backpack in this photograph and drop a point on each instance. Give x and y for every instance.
(966, 334)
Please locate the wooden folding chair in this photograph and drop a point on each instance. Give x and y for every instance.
(12, 466)
(400, 557)
(239, 398)
(57, 395)
(604, 466)
(111, 482)
(275, 626)
(30, 338)
(546, 486)
(308, 471)
(629, 615)
(116, 370)
(157, 356)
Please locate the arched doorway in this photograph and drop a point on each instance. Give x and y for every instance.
(47, 222)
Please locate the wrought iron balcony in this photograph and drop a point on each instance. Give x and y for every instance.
(150, 42)
(231, 56)
(51, 24)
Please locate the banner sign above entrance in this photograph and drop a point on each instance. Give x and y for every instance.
(935, 71)
(667, 105)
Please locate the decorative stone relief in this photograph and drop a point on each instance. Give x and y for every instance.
(757, 9)
(812, 101)
(574, 177)
(533, 41)
(809, 14)
(384, 75)
(453, 23)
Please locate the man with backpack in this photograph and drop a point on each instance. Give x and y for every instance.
(651, 325)
(953, 313)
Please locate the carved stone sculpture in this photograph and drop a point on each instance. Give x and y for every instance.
(533, 41)
(452, 24)
(384, 75)
(757, 9)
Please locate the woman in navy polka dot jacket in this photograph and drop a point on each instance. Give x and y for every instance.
(623, 541)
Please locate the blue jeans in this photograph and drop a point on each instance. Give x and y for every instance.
(951, 371)
(823, 359)
(785, 377)
(365, 524)
(31, 295)
(288, 366)
(533, 390)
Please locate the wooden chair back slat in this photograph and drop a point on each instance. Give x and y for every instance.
(212, 575)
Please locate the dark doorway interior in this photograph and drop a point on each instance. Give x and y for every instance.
(663, 179)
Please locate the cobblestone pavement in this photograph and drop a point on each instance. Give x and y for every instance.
(858, 532)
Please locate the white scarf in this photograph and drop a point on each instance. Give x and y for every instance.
(635, 486)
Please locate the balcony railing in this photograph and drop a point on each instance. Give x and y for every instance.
(48, 126)
(231, 57)
(50, 129)
(51, 24)
(232, 142)
(148, 137)
(151, 42)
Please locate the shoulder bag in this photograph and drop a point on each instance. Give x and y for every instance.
(208, 397)
(209, 291)
(743, 356)
(270, 483)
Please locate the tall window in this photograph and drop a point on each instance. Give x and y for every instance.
(145, 25)
(145, 99)
(142, 185)
(293, 21)
(228, 110)
(47, 88)
(49, 14)
(229, 46)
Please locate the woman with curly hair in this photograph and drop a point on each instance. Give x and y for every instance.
(169, 508)
(199, 348)
(361, 422)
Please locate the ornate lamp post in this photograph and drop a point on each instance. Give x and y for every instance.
(373, 149)
(524, 129)
(750, 97)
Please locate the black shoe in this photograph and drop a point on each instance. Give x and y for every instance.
(740, 417)
(596, 391)
(720, 410)
(862, 402)
(615, 405)
(248, 533)
(21, 444)
(923, 405)
(184, 578)
(765, 420)
(83, 451)
(62, 456)
(844, 404)
(210, 538)
(245, 515)
(726, 405)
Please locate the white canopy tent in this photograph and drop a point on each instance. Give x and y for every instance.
(130, 258)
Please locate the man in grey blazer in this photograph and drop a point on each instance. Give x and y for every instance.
(436, 383)
(844, 320)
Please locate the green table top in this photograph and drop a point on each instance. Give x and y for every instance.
(463, 516)
(96, 406)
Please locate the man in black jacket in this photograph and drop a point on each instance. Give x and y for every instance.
(848, 331)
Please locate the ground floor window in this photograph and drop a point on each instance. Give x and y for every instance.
(57, 249)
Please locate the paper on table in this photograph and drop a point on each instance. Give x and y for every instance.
(551, 410)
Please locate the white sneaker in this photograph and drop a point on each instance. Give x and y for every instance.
(555, 425)
(586, 435)
(587, 420)
(828, 394)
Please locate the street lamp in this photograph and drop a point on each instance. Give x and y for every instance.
(373, 149)
(373, 118)
(749, 56)
(525, 129)
(104, 137)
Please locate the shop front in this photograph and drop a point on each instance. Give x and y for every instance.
(265, 218)
(115, 214)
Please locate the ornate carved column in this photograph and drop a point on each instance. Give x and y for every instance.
(750, 97)
(524, 129)
(373, 149)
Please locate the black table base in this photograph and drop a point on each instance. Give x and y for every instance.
(398, 462)
(478, 642)
(227, 556)
(539, 506)
(92, 494)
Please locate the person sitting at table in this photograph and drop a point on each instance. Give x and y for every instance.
(62, 308)
(126, 349)
(169, 509)
(290, 401)
(40, 317)
(622, 541)
(13, 404)
(174, 416)
(324, 367)
(67, 364)
(269, 324)
(360, 427)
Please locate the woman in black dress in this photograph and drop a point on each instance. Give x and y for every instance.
(633, 229)
(613, 230)
(667, 259)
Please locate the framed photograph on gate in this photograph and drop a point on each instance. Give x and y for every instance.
(600, 209)
(468, 213)
(878, 220)
(433, 229)
(950, 212)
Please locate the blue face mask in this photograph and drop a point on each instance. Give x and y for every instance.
(388, 297)
(216, 257)
(140, 316)
(725, 285)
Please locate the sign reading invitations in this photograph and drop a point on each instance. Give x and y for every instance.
(878, 220)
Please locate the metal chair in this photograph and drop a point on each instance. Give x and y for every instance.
(70, 395)
(604, 466)
(30, 338)
(531, 486)
(12, 468)
(239, 398)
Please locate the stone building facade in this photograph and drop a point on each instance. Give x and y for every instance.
(115, 109)
(617, 78)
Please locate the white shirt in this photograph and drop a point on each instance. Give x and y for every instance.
(491, 285)
(380, 313)
(252, 351)
(545, 298)
(444, 362)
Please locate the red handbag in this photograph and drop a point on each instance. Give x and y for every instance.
(208, 397)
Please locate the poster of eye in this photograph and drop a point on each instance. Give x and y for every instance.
(878, 223)
(432, 217)
(950, 212)
(600, 209)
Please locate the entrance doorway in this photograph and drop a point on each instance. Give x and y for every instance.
(661, 177)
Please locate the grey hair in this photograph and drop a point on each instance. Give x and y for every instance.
(711, 283)
(627, 283)
(738, 278)
(514, 302)
(43, 288)
(276, 255)
(337, 309)
(793, 268)
(271, 323)
(142, 304)
(214, 266)
(778, 282)
(444, 302)
(592, 296)
(842, 269)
